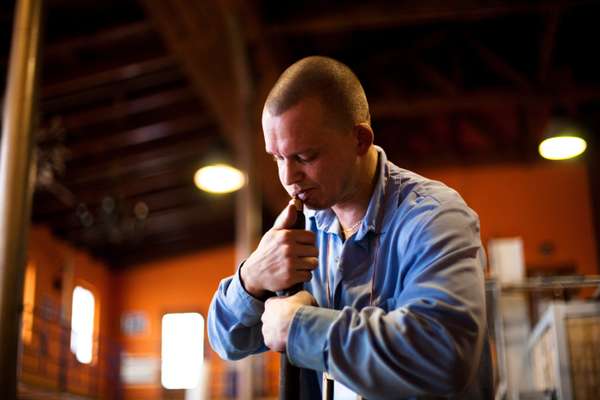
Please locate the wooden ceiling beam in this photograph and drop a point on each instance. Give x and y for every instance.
(433, 76)
(134, 137)
(171, 75)
(106, 76)
(548, 43)
(101, 38)
(372, 16)
(499, 64)
(125, 108)
(157, 223)
(197, 34)
(210, 42)
(158, 203)
(477, 101)
(138, 165)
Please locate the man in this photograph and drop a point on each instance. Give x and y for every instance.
(392, 262)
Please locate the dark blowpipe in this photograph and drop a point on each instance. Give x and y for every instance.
(289, 375)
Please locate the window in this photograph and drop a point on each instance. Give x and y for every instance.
(28, 303)
(82, 324)
(182, 352)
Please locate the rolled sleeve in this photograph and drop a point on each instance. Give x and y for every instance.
(246, 308)
(234, 326)
(307, 344)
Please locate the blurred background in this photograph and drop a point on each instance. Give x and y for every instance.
(136, 96)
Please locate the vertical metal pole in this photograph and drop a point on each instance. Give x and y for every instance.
(16, 180)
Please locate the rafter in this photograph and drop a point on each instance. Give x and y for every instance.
(171, 75)
(499, 64)
(372, 16)
(478, 100)
(101, 38)
(136, 163)
(551, 21)
(208, 39)
(138, 136)
(103, 77)
(125, 108)
(197, 35)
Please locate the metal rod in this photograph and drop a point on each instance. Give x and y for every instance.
(16, 180)
(289, 375)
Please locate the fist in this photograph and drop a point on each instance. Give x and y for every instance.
(278, 315)
(283, 258)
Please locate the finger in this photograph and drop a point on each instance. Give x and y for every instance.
(304, 276)
(306, 263)
(303, 250)
(286, 219)
(301, 236)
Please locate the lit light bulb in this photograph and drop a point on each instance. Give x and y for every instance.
(562, 147)
(219, 178)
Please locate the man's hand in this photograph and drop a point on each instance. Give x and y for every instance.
(283, 257)
(279, 312)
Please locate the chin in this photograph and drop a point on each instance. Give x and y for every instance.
(315, 204)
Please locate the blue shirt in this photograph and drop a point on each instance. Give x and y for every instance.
(406, 312)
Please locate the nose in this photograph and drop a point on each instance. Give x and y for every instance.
(289, 173)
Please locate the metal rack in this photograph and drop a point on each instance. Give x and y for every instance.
(494, 292)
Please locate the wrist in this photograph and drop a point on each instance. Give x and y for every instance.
(249, 285)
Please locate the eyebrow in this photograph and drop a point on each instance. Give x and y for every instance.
(303, 151)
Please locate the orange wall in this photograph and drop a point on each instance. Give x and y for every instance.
(176, 285)
(541, 202)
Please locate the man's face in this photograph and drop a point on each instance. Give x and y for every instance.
(316, 160)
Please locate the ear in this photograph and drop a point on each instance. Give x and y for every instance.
(364, 137)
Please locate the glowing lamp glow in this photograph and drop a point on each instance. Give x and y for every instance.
(219, 178)
(562, 147)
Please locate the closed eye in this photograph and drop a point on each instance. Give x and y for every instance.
(306, 158)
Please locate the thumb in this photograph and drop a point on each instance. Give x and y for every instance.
(287, 218)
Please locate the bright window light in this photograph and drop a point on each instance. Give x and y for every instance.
(219, 178)
(182, 350)
(82, 324)
(28, 303)
(562, 147)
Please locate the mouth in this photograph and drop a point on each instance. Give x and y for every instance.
(301, 194)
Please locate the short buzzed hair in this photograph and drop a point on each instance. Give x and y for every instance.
(328, 80)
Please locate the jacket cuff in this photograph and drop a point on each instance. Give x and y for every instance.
(308, 337)
(245, 307)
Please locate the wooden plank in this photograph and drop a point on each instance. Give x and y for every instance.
(480, 100)
(372, 16)
(103, 77)
(138, 136)
(125, 108)
(168, 76)
(548, 43)
(100, 38)
(187, 149)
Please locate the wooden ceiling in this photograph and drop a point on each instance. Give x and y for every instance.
(136, 95)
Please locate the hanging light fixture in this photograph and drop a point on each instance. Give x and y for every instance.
(217, 173)
(564, 140)
(219, 178)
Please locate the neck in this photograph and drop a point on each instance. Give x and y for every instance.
(351, 211)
